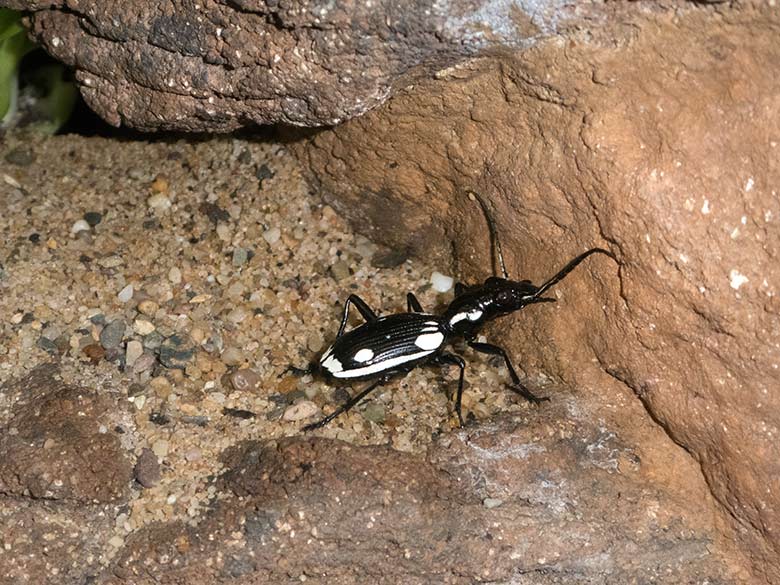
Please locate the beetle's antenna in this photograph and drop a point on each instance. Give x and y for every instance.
(495, 250)
(568, 268)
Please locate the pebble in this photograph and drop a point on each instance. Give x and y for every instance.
(315, 342)
(116, 541)
(240, 257)
(159, 202)
(272, 235)
(176, 352)
(374, 412)
(440, 282)
(93, 218)
(147, 468)
(143, 327)
(80, 225)
(340, 270)
(147, 307)
(20, 156)
(237, 315)
(232, 356)
(193, 454)
(160, 448)
(304, 409)
(492, 503)
(134, 351)
(112, 334)
(126, 294)
(389, 258)
(174, 275)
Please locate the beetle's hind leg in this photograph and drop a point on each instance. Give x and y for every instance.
(517, 386)
(347, 405)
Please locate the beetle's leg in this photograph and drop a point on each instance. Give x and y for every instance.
(454, 360)
(364, 310)
(296, 371)
(347, 406)
(517, 385)
(412, 304)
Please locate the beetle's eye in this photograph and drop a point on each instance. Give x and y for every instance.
(504, 297)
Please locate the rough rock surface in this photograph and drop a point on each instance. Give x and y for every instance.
(217, 66)
(556, 496)
(661, 144)
(61, 474)
(57, 445)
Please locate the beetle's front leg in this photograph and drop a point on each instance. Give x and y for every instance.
(365, 311)
(517, 386)
(412, 304)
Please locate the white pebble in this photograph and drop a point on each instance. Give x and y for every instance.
(440, 282)
(159, 202)
(736, 279)
(272, 235)
(79, 226)
(126, 293)
(304, 409)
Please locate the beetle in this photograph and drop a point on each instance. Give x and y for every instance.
(392, 345)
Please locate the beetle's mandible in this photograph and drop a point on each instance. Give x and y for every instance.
(389, 346)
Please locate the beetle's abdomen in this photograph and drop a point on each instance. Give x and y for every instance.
(388, 343)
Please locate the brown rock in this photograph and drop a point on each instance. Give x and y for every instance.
(61, 481)
(576, 506)
(53, 447)
(221, 65)
(147, 469)
(660, 143)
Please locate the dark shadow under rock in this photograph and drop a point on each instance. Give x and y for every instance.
(551, 497)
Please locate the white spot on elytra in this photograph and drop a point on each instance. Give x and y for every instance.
(429, 341)
(363, 355)
(331, 364)
(474, 315)
(457, 318)
(736, 279)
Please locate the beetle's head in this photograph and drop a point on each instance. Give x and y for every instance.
(508, 296)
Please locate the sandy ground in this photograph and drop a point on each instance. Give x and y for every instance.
(180, 279)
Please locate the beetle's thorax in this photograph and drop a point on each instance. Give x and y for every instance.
(476, 305)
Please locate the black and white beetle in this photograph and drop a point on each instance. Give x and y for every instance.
(384, 347)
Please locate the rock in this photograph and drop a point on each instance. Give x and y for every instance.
(605, 148)
(79, 225)
(292, 507)
(245, 380)
(176, 352)
(20, 156)
(143, 327)
(147, 469)
(300, 411)
(246, 63)
(112, 334)
(93, 218)
(340, 270)
(85, 466)
(133, 351)
(126, 294)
